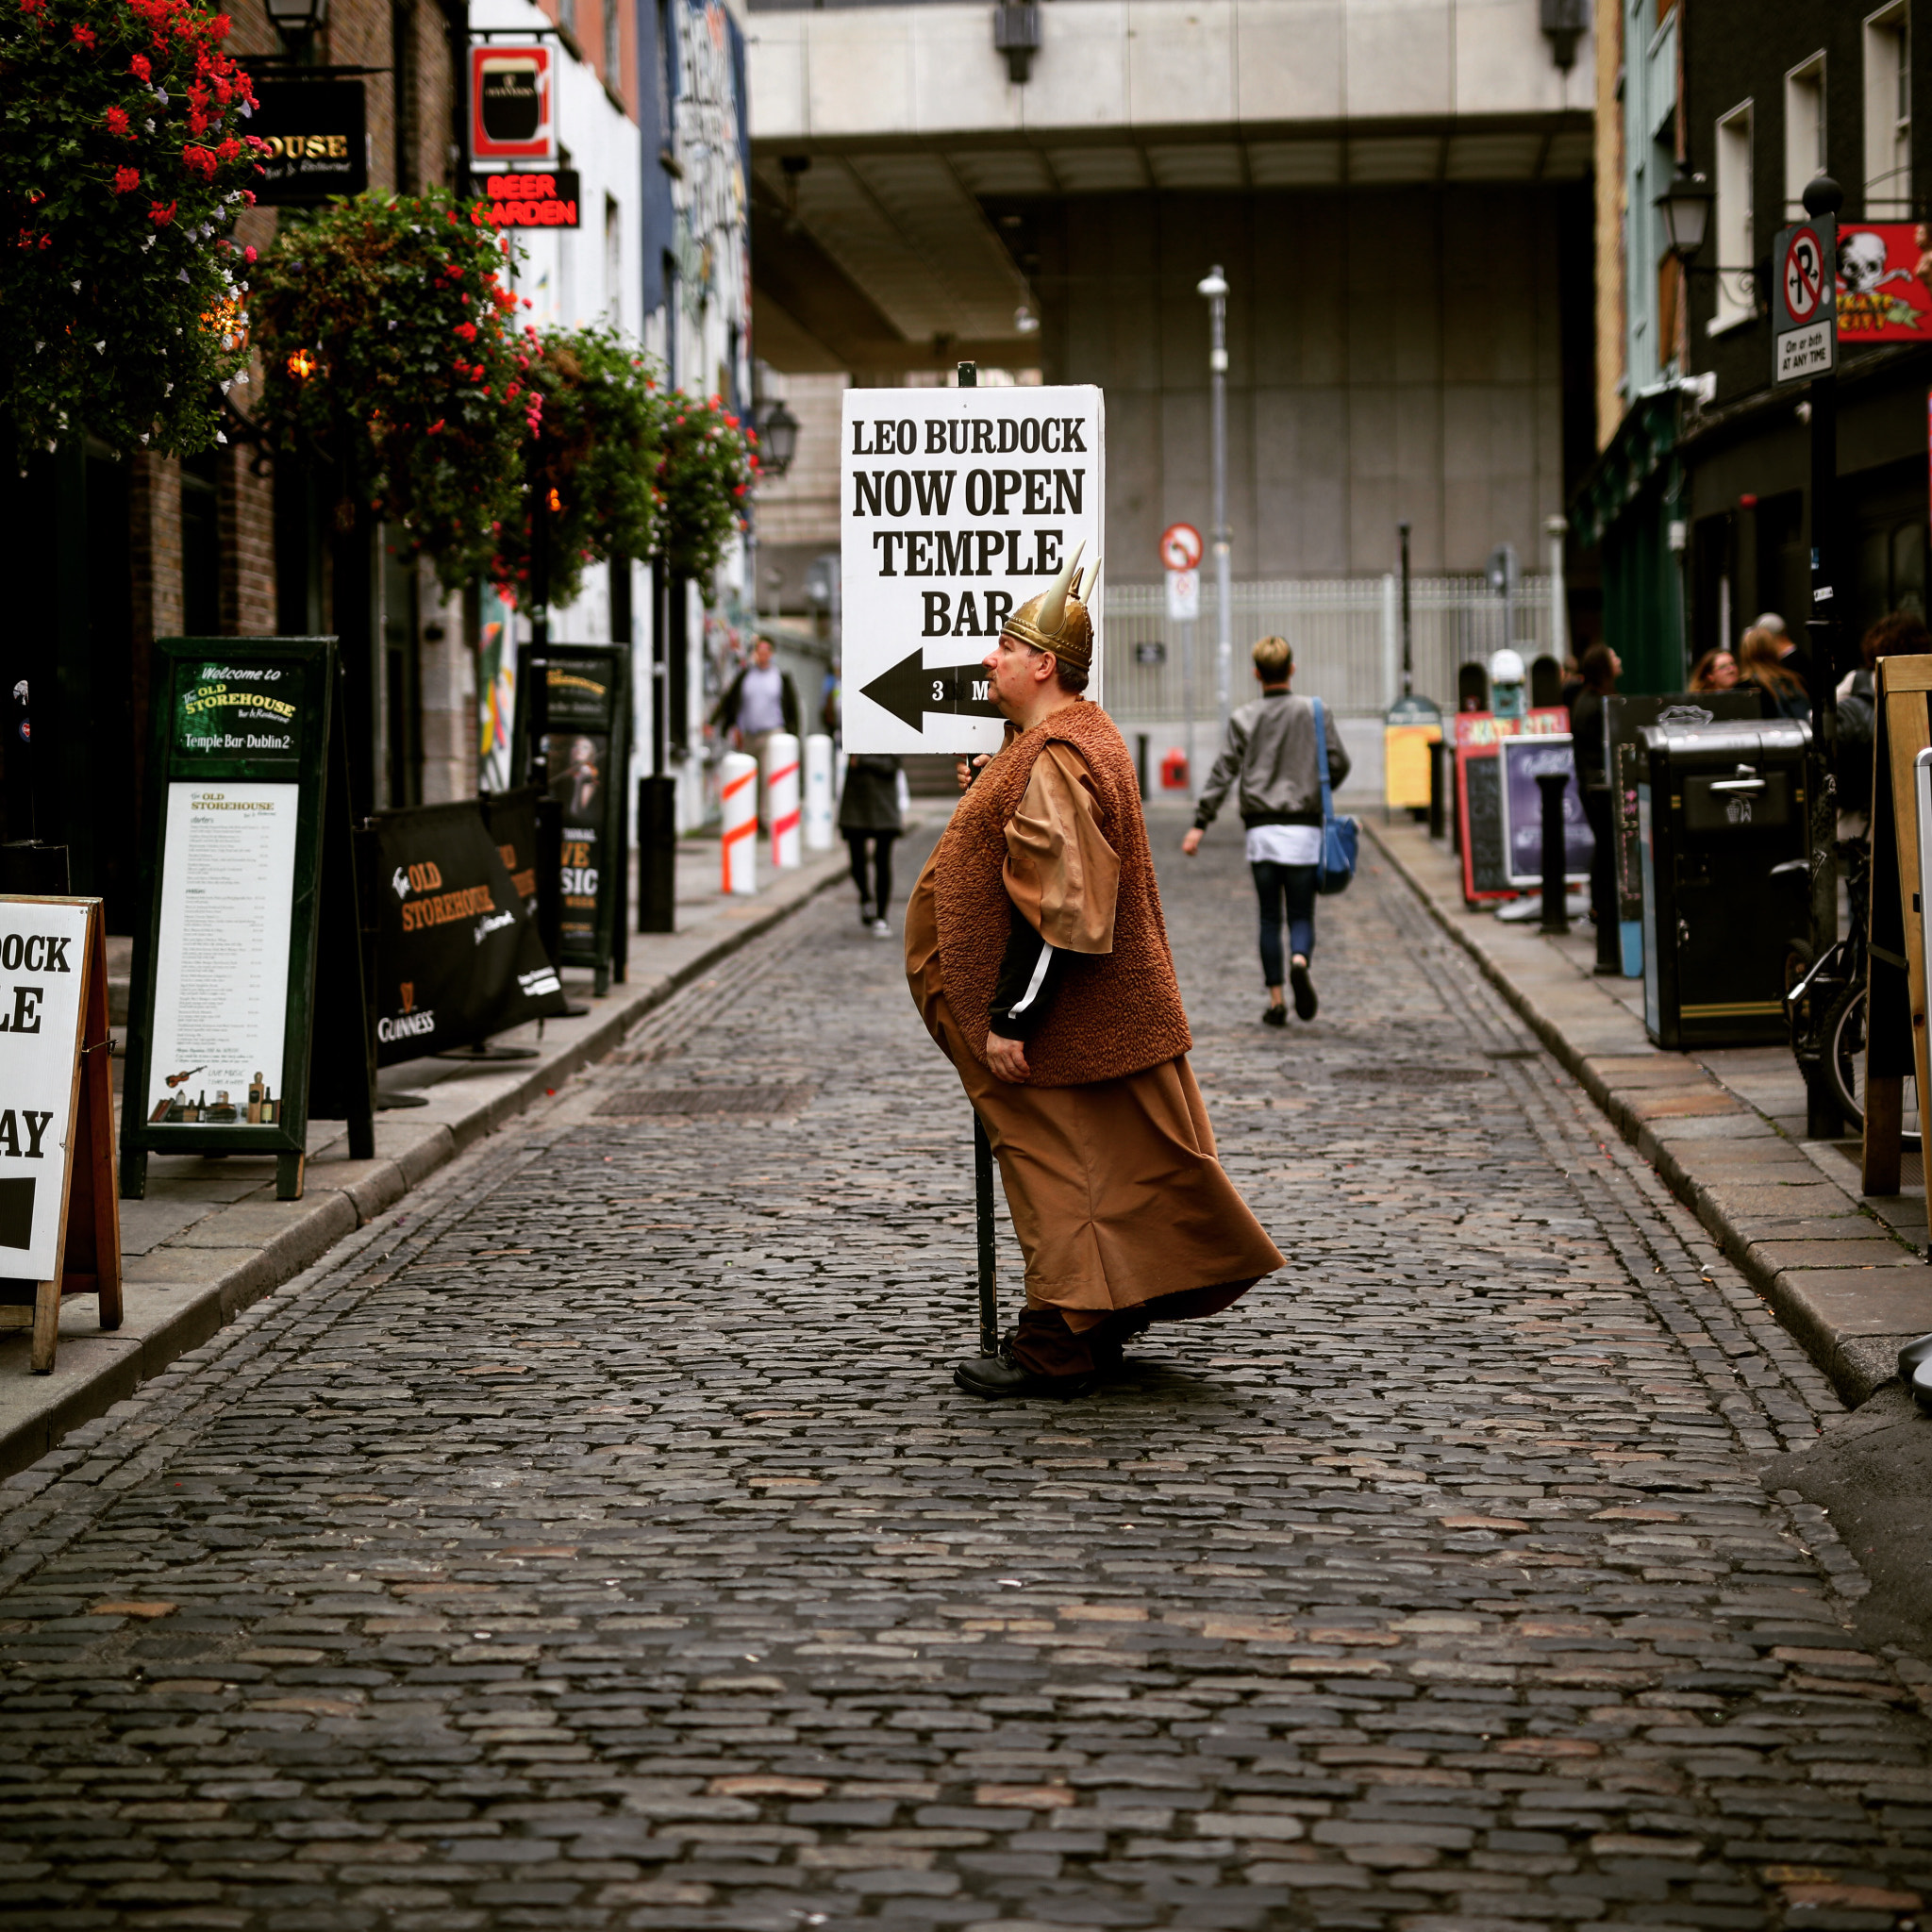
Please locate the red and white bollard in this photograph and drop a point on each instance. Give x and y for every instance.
(781, 798)
(737, 788)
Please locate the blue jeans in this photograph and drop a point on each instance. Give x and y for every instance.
(1296, 885)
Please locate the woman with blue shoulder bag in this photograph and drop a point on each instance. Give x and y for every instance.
(1288, 756)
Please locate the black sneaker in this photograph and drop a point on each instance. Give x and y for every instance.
(1274, 1016)
(1304, 1001)
(865, 915)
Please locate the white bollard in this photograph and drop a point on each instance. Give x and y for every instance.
(781, 798)
(738, 787)
(818, 793)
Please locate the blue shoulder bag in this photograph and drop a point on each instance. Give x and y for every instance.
(1339, 836)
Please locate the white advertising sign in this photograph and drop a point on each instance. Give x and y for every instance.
(957, 505)
(221, 960)
(42, 961)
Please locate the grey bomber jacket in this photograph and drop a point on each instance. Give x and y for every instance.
(1271, 749)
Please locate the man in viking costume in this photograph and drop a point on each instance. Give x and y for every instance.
(1038, 961)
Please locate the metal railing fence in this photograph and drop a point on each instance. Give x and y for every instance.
(1346, 634)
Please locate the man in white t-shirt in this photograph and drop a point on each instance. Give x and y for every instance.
(1272, 750)
(760, 700)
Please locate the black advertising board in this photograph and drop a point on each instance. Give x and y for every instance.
(247, 880)
(587, 738)
(512, 818)
(457, 953)
(1625, 765)
(318, 142)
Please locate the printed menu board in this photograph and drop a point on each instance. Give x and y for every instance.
(224, 993)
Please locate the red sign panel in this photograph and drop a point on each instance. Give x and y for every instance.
(1884, 282)
(512, 103)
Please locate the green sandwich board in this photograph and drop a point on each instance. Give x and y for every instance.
(247, 968)
(587, 736)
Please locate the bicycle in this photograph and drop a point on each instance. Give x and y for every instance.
(1825, 1003)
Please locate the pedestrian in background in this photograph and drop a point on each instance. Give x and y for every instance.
(1901, 634)
(1715, 671)
(1272, 750)
(1590, 746)
(869, 814)
(1781, 690)
(759, 701)
(1791, 653)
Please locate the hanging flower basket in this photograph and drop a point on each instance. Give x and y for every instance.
(592, 458)
(707, 465)
(391, 357)
(124, 158)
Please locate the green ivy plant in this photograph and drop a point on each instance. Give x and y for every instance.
(391, 357)
(706, 468)
(123, 162)
(592, 458)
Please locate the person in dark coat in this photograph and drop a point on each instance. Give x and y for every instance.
(869, 813)
(1589, 747)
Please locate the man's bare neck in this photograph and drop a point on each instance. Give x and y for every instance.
(1040, 713)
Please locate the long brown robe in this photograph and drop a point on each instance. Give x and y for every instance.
(1114, 1189)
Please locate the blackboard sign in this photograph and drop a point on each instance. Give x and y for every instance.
(1624, 761)
(1524, 761)
(1481, 826)
(457, 953)
(588, 740)
(246, 784)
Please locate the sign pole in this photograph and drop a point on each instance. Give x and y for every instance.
(1407, 637)
(982, 1152)
(1822, 200)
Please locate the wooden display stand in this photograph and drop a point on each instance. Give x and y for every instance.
(1895, 1043)
(87, 1241)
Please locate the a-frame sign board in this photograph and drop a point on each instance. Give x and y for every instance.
(248, 1008)
(59, 1216)
(1895, 1023)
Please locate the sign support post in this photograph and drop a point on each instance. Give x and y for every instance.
(1805, 347)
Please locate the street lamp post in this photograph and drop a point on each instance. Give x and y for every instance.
(1215, 289)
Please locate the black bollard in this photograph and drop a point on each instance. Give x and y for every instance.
(657, 855)
(1552, 785)
(1439, 785)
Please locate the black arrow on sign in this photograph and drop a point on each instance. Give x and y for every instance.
(910, 690)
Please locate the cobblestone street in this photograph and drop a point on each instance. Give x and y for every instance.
(599, 1541)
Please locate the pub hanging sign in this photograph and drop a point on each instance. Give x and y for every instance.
(533, 200)
(513, 104)
(317, 141)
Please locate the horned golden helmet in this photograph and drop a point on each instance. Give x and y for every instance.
(1057, 620)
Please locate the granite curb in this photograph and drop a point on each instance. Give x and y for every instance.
(198, 1251)
(1847, 1274)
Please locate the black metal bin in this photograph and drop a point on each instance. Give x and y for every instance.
(1719, 806)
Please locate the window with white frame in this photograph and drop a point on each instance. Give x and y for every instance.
(1888, 114)
(1735, 300)
(1804, 132)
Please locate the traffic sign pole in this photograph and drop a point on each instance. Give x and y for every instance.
(1811, 296)
(1180, 550)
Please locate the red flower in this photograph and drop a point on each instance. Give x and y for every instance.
(126, 180)
(160, 215)
(117, 122)
(140, 69)
(198, 160)
(83, 36)
(467, 331)
(248, 254)
(435, 426)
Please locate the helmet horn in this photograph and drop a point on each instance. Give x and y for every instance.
(1086, 596)
(1052, 608)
